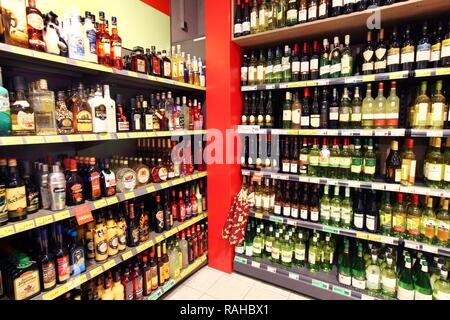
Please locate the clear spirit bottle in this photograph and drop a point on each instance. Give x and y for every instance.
(43, 102)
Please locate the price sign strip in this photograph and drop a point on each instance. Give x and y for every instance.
(376, 185)
(45, 217)
(95, 269)
(297, 275)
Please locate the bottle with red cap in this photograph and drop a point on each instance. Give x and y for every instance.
(305, 118)
(408, 164)
(399, 216)
(314, 61)
(295, 63)
(304, 65)
(74, 185)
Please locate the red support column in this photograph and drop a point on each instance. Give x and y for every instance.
(224, 104)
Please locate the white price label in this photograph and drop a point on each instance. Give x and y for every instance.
(256, 264)
(272, 269)
(294, 276)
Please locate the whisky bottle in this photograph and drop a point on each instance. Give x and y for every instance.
(22, 114)
(35, 26)
(81, 111)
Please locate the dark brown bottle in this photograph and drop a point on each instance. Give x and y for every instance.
(132, 228)
(74, 186)
(304, 204)
(107, 180)
(15, 194)
(31, 189)
(92, 181)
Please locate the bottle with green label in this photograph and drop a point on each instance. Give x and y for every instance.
(370, 162)
(346, 210)
(327, 254)
(325, 206)
(270, 238)
(359, 270)
(405, 288)
(357, 161)
(300, 250)
(314, 255)
(336, 208)
(422, 286)
(286, 251)
(5, 111)
(386, 214)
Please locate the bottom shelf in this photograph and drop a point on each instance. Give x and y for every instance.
(186, 273)
(319, 285)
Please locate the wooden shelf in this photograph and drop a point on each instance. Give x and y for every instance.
(350, 23)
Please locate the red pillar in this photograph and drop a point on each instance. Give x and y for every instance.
(224, 104)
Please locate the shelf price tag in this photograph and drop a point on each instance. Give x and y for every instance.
(178, 181)
(442, 71)
(320, 284)
(24, 226)
(396, 75)
(270, 86)
(374, 237)
(241, 260)
(156, 295)
(366, 297)
(256, 264)
(100, 203)
(151, 189)
(428, 248)
(361, 235)
(95, 272)
(272, 269)
(342, 291)
(413, 245)
(129, 195)
(53, 139)
(369, 78)
(122, 135)
(6, 231)
(56, 292)
(164, 185)
(112, 200)
(127, 255)
(62, 215)
(42, 221)
(392, 187)
(423, 73)
(258, 215)
(168, 285)
(7, 141)
(294, 276)
(160, 238)
(141, 247)
(330, 230)
(388, 240)
(435, 133)
(276, 219)
(109, 264)
(34, 140)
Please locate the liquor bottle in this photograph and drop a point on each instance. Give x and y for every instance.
(325, 60)
(46, 262)
(268, 119)
(90, 41)
(304, 204)
(393, 164)
(268, 72)
(405, 286)
(64, 116)
(408, 164)
(35, 26)
(57, 189)
(434, 164)
(314, 205)
(428, 223)
(287, 111)
(408, 50)
(312, 10)
(358, 270)
(368, 55)
(334, 160)
(335, 211)
(305, 65)
(345, 160)
(368, 109)
(286, 158)
(436, 117)
(324, 110)
(43, 102)
(300, 251)
(359, 215)
(292, 13)
(294, 161)
(445, 50)
(314, 62)
(82, 113)
(61, 254)
(357, 161)
(237, 29)
(372, 217)
(399, 216)
(305, 122)
(393, 53)
(246, 19)
(333, 119)
(252, 69)
(380, 53)
(22, 114)
(3, 183)
(379, 114)
(419, 112)
(313, 159)
(422, 286)
(254, 18)
(392, 107)
(304, 158)
(107, 181)
(369, 162)
(344, 267)
(286, 68)
(336, 7)
(346, 210)
(244, 69)
(103, 42)
(388, 279)
(76, 37)
(260, 68)
(123, 125)
(356, 105)
(32, 191)
(443, 224)
(315, 111)
(324, 9)
(303, 11)
(325, 207)
(442, 286)
(413, 217)
(74, 186)
(344, 110)
(423, 54)
(347, 59)
(156, 64)
(92, 181)
(335, 60)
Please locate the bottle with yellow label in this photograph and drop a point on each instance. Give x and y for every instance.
(118, 289)
(443, 225)
(108, 293)
(121, 231)
(413, 219)
(15, 194)
(112, 235)
(89, 240)
(428, 222)
(100, 240)
(408, 164)
(165, 258)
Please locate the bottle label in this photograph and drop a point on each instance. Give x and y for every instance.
(369, 166)
(335, 213)
(380, 65)
(346, 64)
(294, 213)
(246, 26)
(315, 121)
(437, 112)
(296, 116)
(244, 74)
(404, 294)
(373, 280)
(314, 215)
(344, 279)
(296, 67)
(337, 3)
(286, 211)
(423, 52)
(334, 114)
(48, 275)
(285, 64)
(445, 48)
(388, 284)
(358, 221)
(254, 19)
(360, 284)
(313, 160)
(304, 214)
(286, 256)
(367, 66)
(345, 162)
(398, 222)
(26, 285)
(443, 230)
(302, 15)
(304, 67)
(63, 267)
(324, 70)
(294, 167)
(286, 166)
(287, 115)
(16, 201)
(311, 257)
(84, 121)
(251, 73)
(237, 28)
(256, 248)
(393, 56)
(277, 209)
(420, 296)
(269, 71)
(314, 65)
(275, 253)
(335, 68)
(446, 174)
(322, 9)
(312, 12)
(370, 223)
(367, 116)
(428, 228)
(434, 171)
(277, 68)
(300, 254)
(305, 121)
(408, 170)
(260, 73)
(344, 117)
(356, 166)
(407, 54)
(291, 15)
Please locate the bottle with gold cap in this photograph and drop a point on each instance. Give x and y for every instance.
(118, 288)
(428, 222)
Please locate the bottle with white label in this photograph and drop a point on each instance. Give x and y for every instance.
(258, 244)
(373, 275)
(434, 165)
(314, 255)
(325, 206)
(423, 52)
(388, 279)
(90, 40)
(421, 109)
(300, 251)
(287, 251)
(57, 189)
(438, 109)
(76, 38)
(110, 105)
(98, 111)
(405, 287)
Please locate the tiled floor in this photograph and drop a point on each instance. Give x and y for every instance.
(211, 284)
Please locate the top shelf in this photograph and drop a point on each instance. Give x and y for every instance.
(349, 23)
(17, 57)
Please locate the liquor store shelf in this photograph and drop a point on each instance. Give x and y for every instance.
(376, 185)
(194, 267)
(353, 233)
(20, 140)
(44, 217)
(97, 268)
(416, 133)
(350, 23)
(320, 285)
(11, 55)
(399, 75)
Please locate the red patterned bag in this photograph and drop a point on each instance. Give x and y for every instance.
(234, 229)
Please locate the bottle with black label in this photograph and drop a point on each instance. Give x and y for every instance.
(107, 180)
(159, 216)
(15, 193)
(74, 186)
(76, 254)
(393, 54)
(132, 228)
(31, 189)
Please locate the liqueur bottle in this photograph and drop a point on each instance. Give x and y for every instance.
(35, 26)
(116, 46)
(15, 193)
(22, 114)
(103, 43)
